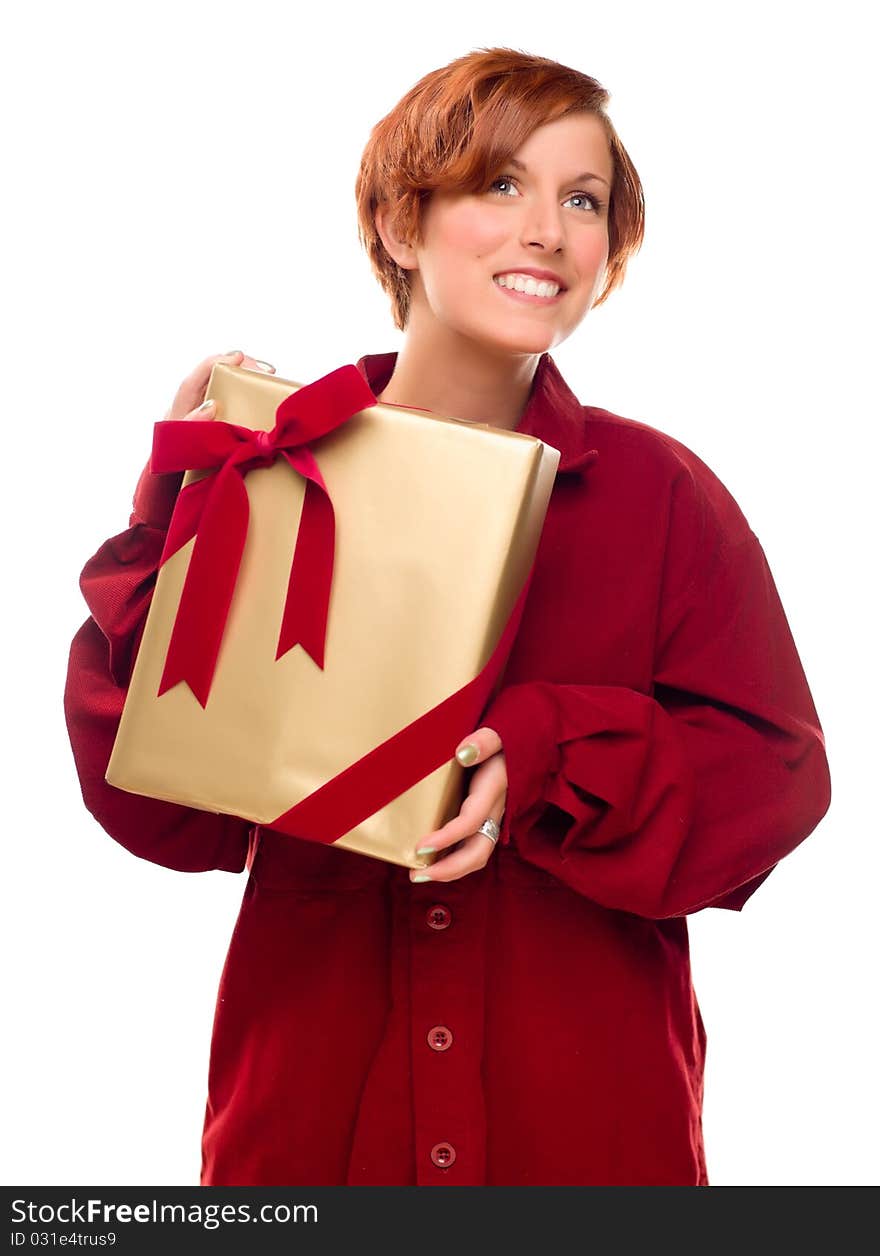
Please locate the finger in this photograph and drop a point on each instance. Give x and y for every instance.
(243, 359)
(207, 410)
(474, 852)
(238, 358)
(233, 359)
(191, 392)
(478, 746)
(488, 792)
(200, 376)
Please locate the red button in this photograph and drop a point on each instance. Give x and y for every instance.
(443, 1155)
(439, 916)
(440, 1038)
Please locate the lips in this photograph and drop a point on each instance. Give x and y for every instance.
(549, 276)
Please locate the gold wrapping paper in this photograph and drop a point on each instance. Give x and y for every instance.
(437, 525)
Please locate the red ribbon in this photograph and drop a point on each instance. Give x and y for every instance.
(215, 510)
(374, 780)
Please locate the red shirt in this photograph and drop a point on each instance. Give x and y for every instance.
(534, 1022)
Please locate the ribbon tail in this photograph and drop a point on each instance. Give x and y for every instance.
(307, 604)
(209, 585)
(310, 412)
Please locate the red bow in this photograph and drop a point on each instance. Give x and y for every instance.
(215, 510)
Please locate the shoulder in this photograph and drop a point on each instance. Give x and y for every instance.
(697, 497)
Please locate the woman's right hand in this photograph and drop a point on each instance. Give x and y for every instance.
(155, 495)
(191, 393)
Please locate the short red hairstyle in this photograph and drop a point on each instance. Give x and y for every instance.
(456, 129)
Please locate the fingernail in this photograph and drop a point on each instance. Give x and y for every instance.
(266, 366)
(206, 405)
(421, 877)
(232, 353)
(467, 754)
(425, 850)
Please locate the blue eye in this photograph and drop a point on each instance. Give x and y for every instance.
(594, 203)
(587, 196)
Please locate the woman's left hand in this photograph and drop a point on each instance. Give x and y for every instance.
(486, 797)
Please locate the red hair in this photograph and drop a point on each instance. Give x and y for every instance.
(456, 128)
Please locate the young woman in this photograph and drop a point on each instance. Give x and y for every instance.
(522, 1013)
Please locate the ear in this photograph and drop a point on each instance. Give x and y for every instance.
(399, 250)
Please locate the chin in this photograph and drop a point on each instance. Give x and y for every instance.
(517, 341)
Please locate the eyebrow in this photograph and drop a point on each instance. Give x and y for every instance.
(578, 178)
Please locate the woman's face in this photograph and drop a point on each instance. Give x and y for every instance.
(547, 211)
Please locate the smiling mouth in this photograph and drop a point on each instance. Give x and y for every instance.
(536, 291)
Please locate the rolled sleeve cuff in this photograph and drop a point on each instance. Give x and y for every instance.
(154, 498)
(524, 717)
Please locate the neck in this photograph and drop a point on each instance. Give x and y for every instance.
(440, 370)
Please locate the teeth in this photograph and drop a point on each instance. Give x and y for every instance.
(525, 283)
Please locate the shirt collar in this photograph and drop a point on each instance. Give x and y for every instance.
(553, 414)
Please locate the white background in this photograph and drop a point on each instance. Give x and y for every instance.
(179, 183)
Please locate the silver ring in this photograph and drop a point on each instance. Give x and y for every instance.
(490, 829)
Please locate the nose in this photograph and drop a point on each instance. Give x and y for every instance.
(542, 226)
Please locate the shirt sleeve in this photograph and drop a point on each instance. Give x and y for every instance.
(662, 804)
(117, 583)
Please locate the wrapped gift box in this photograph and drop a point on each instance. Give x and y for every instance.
(430, 527)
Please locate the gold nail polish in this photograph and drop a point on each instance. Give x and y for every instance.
(467, 754)
(421, 877)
